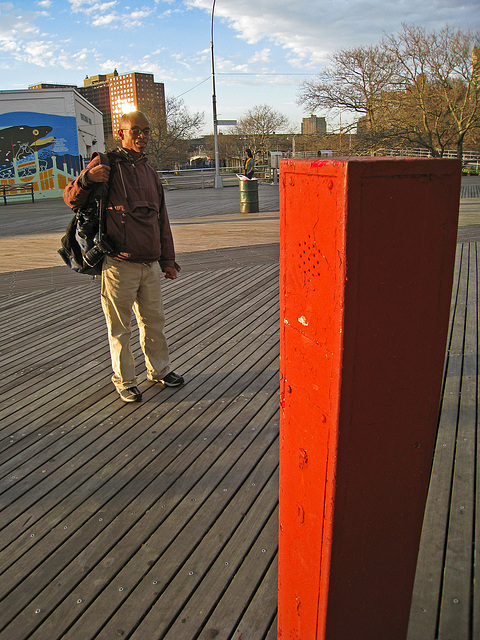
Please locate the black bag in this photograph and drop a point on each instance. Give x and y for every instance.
(85, 242)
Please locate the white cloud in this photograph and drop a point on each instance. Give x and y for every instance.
(311, 29)
(261, 56)
(141, 65)
(90, 5)
(38, 53)
(108, 14)
(104, 21)
(9, 46)
(16, 25)
(179, 58)
(22, 40)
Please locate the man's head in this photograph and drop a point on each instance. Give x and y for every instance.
(134, 133)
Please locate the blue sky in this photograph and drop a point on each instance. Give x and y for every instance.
(264, 49)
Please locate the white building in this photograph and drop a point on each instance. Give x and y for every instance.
(45, 137)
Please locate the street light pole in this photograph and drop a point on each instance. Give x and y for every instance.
(218, 180)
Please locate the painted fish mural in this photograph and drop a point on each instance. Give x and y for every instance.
(20, 141)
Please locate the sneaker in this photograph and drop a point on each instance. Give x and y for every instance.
(171, 380)
(132, 394)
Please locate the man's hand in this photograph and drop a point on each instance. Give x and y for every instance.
(99, 173)
(170, 273)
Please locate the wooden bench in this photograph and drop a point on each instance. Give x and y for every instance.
(8, 190)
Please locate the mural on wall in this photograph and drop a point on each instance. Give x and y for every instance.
(40, 149)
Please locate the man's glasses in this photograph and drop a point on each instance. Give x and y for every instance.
(136, 131)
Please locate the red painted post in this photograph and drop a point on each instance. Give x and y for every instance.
(366, 269)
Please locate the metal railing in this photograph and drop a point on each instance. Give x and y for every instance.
(205, 178)
(468, 156)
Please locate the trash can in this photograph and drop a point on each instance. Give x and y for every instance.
(249, 196)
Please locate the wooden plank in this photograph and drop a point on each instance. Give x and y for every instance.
(233, 361)
(169, 454)
(56, 308)
(63, 585)
(210, 585)
(84, 330)
(107, 451)
(429, 575)
(189, 349)
(56, 312)
(456, 603)
(469, 190)
(261, 613)
(225, 618)
(180, 578)
(179, 330)
(194, 390)
(87, 438)
(147, 542)
(272, 633)
(231, 324)
(81, 337)
(476, 541)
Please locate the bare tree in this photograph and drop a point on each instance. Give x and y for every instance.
(415, 87)
(171, 131)
(258, 127)
(440, 75)
(356, 82)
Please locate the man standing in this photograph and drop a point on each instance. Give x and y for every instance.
(137, 223)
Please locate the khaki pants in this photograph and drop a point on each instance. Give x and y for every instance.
(127, 286)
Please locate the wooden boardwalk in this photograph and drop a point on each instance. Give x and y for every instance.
(149, 520)
(159, 519)
(446, 600)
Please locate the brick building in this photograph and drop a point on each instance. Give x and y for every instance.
(115, 94)
(314, 125)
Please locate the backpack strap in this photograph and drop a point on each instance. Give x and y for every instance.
(102, 198)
